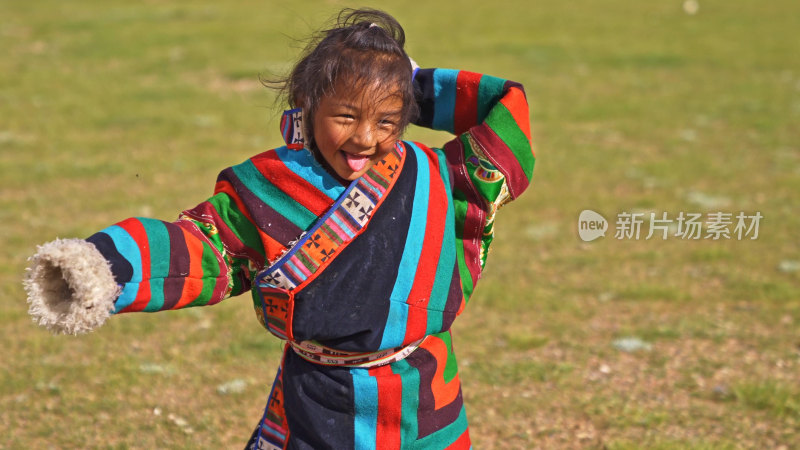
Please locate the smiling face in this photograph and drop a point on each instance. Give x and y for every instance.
(354, 130)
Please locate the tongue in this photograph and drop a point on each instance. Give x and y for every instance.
(355, 162)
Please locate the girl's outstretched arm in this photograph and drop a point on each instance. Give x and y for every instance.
(208, 254)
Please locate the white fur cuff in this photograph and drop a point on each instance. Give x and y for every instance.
(70, 287)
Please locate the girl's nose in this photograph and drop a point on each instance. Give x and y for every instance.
(365, 135)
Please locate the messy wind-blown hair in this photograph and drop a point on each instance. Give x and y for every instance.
(362, 50)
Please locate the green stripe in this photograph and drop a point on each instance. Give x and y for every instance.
(274, 197)
(158, 240)
(460, 204)
(325, 228)
(237, 222)
(210, 269)
(490, 91)
(505, 126)
(379, 179)
(450, 367)
(410, 403)
(305, 259)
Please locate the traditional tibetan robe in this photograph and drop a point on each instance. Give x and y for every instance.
(362, 281)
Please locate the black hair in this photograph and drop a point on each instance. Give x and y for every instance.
(363, 49)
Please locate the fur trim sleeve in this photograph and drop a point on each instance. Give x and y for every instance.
(70, 287)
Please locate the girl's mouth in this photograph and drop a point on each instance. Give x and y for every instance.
(355, 162)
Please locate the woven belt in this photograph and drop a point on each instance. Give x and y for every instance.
(319, 354)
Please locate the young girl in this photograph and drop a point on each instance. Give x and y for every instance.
(360, 249)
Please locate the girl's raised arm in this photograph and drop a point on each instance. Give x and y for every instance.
(489, 115)
(489, 162)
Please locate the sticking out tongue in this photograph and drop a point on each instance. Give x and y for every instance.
(355, 162)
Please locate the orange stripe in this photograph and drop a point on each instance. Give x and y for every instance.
(517, 105)
(193, 284)
(443, 393)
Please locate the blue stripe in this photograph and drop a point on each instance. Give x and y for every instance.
(398, 308)
(296, 270)
(370, 191)
(341, 217)
(129, 250)
(447, 257)
(288, 275)
(273, 196)
(302, 163)
(365, 397)
(444, 89)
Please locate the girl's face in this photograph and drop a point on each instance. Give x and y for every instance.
(354, 130)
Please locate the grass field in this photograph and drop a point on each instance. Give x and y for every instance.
(110, 109)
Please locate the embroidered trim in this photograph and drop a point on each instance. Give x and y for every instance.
(314, 250)
(338, 226)
(319, 354)
(292, 128)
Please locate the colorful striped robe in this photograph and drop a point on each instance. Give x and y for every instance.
(402, 267)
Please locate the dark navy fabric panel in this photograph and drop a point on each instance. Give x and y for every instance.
(347, 305)
(319, 404)
(425, 95)
(179, 264)
(120, 267)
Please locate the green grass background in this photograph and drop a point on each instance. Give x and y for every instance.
(110, 109)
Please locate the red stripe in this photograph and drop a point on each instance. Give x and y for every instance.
(501, 157)
(462, 443)
(419, 297)
(473, 230)
(272, 248)
(136, 230)
(221, 285)
(390, 401)
(303, 192)
(474, 219)
(466, 113)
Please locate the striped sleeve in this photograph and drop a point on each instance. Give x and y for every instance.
(489, 115)
(489, 162)
(202, 258)
(213, 250)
